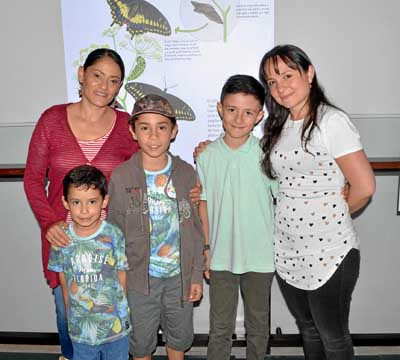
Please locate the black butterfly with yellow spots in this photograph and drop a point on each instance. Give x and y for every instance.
(182, 110)
(139, 16)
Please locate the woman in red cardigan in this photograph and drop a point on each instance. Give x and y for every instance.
(86, 132)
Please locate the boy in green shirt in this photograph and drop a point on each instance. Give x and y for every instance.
(237, 217)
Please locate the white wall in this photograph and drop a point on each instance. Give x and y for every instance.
(32, 60)
(354, 46)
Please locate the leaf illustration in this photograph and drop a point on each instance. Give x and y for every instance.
(207, 10)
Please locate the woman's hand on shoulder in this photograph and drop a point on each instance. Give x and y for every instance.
(56, 235)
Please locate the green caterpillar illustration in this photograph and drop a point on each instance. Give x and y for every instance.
(138, 69)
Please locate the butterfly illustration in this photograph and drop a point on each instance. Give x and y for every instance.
(139, 16)
(182, 110)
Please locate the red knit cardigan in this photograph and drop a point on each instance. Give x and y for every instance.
(53, 151)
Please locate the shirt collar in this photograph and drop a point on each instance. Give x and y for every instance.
(244, 148)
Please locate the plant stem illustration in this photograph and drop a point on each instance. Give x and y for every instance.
(214, 14)
(178, 29)
(224, 17)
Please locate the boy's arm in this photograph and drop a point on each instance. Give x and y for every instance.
(122, 279)
(203, 214)
(64, 288)
(198, 239)
(195, 194)
(196, 291)
(56, 264)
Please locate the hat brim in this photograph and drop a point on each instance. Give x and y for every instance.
(168, 115)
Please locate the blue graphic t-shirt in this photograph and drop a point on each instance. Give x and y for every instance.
(98, 310)
(164, 223)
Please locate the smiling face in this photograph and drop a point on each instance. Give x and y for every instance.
(239, 112)
(100, 82)
(85, 205)
(289, 87)
(153, 133)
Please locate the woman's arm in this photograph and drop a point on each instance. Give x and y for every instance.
(358, 173)
(37, 164)
(34, 184)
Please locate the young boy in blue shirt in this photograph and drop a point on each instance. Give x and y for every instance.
(92, 270)
(149, 200)
(237, 217)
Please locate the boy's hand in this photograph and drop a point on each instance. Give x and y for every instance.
(195, 194)
(200, 148)
(196, 291)
(207, 270)
(56, 235)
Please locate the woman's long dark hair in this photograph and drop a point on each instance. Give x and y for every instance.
(296, 59)
(101, 53)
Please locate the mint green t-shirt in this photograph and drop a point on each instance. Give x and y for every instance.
(239, 206)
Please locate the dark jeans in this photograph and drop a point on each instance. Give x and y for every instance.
(322, 315)
(224, 294)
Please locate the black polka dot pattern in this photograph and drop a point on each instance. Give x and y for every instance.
(313, 228)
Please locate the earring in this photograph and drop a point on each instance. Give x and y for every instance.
(80, 89)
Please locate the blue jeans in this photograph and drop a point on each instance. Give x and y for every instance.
(322, 315)
(62, 324)
(115, 350)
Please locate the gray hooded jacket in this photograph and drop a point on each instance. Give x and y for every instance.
(128, 208)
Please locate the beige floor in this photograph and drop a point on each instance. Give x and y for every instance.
(240, 352)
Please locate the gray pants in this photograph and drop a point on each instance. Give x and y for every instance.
(255, 289)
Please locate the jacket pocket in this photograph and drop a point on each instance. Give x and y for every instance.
(136, 252)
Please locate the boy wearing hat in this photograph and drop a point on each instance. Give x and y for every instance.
(149, 200)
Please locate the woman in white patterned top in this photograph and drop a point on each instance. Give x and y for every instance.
(312, 148)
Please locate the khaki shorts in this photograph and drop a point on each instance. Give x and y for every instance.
(161, 308)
